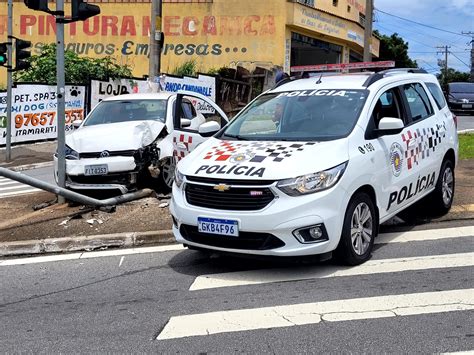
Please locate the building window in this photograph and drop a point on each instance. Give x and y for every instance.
(348, 8)
(334, 2)
(307, 2)
(362, 19)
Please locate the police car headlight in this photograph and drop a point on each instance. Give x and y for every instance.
(178, 178)
(310, 183)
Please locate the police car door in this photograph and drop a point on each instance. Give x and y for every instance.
(396, 176)
(195, 119)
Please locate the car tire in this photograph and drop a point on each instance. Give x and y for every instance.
(166, 177)
(359, 231)
(441, 199)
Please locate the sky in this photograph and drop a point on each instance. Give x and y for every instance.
(450, 15)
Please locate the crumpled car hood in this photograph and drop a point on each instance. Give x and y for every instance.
(114, 136)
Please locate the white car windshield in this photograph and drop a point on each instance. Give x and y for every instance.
(127, 110)
(299, 116)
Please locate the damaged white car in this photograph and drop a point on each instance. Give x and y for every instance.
(126, 142)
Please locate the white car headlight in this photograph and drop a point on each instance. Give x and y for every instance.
(311, 183)
(178, 178)
(71, 154)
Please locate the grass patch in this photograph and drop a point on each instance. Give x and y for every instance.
(466, 146)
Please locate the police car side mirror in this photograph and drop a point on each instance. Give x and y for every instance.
(208, 129)
(185, 122)
(76, 123)
(389, 125)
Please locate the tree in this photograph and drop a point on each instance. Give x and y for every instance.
(452, 76)
(79, 70)
(395, 48)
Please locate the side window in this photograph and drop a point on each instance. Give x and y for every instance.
(388, 105)
(418, 102)
(188, 109)
(437, 95)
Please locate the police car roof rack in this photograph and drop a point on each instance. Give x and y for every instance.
(382, 74)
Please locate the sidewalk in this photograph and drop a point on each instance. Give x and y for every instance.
(28, 155)
(57, 228)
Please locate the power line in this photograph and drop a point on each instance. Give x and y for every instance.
(421, 24)
(455, 56)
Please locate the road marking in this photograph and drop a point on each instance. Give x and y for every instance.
(422, 235)
(255, 277)
(91, 254)
(10, 188)
(121, 260)
(313, 313)
(21, 192)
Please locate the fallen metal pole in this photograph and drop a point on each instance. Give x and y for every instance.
(71, 195)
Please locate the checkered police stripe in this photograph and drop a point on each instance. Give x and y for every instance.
(259, 151)
(187, 141)
(426, 139)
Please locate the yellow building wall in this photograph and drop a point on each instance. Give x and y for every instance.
(340, 10)
(221, 33)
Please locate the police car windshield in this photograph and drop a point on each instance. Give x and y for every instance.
(127, 110)
(299, 115)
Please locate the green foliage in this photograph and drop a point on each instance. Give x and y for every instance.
(452, 76)
(395, 48)
(188, 68)
(466, 146)
(77, 69)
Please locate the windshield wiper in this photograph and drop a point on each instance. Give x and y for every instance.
(236, 136)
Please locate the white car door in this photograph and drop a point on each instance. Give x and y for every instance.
(191, 111)
(397, 172)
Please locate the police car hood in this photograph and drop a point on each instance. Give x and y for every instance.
(268, 160)
(114, 136)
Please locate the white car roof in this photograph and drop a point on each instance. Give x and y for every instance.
(142, 96)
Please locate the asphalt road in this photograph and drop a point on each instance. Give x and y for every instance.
(115, 301)
(465, 122)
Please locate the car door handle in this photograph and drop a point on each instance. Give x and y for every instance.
(181, 145)
(412, 144)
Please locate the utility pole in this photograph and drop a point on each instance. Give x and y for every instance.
(156, 39)
(61, 93)
(445, 50)
(8, 151)
(369, 8)
(470, 33)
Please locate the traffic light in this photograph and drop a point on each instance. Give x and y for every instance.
(82, 11)
(39, 5)
(3, 55)
(22, 53)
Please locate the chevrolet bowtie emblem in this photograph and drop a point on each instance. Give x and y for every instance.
(221, 187)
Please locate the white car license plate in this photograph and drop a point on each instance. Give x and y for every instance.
(101, 169)
(218, 226)
(466, 106)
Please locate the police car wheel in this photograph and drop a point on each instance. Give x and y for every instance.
(359, 231)
(443, 194)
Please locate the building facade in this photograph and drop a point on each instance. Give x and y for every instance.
(213, 33)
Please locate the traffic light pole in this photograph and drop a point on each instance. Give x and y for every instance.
(61, 92)
(8, 151)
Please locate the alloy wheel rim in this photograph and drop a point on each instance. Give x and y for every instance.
(447, 187)
(361, 228)
(168, 173)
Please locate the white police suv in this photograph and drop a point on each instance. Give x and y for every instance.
(315, 165)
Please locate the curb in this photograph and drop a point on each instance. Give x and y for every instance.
(28, 166)
(466, 131)
(86, 243)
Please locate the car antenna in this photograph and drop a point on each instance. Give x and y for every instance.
(319, 80)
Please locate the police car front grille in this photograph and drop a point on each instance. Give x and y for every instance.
(234, 199)
(229, 181)
(245, 240)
